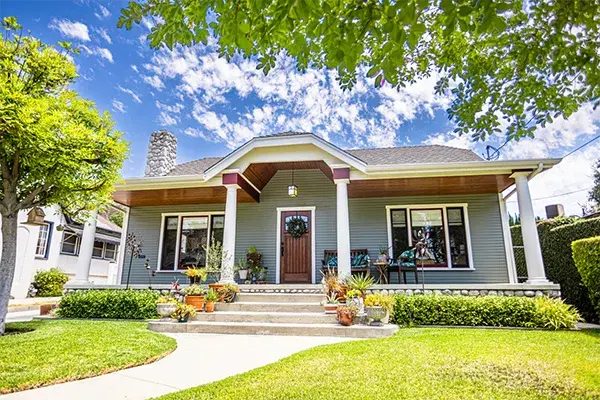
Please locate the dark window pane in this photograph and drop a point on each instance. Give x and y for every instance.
(218, 223)
(169, 245)
(399, 232)
(110, 251)
(98, 247)
(69, 244)
(458, 238)
(194, 232)
(430, 223)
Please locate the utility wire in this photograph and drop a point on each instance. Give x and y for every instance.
(582, 146)
(554, 195)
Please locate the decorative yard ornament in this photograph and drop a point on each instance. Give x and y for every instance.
(35, 216)
(422, 253)
(297, 227)
(293, 189)
(134, 248)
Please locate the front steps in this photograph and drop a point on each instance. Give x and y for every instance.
(286, 314)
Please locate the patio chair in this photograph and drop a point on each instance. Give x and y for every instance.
(360, 261)
(406, 262)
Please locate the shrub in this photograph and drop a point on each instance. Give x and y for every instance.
(49, 283)
(114, 304)
(586, 254)
(556, 236)
(484, 311)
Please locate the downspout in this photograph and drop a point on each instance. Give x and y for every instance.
(533, 174)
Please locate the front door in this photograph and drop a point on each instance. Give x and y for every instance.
(296, 252)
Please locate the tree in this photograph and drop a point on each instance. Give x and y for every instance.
(116, 218)
(55, 147)
(594, 195)
(522, 62)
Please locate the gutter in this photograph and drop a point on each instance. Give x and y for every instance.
(533, 174)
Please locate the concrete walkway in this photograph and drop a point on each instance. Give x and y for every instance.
(198, 359)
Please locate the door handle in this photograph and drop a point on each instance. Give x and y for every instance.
(282, 249)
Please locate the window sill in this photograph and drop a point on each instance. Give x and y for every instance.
(68, 254)
(445, 269)
(41, 258)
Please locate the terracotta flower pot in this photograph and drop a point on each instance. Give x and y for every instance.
(210, 306)
(216, 287)
(346, 319)
(331, 308)
(196, 301)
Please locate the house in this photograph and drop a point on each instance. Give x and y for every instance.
(347, 200)
(54, 241)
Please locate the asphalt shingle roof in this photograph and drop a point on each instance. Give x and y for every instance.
(376, 156)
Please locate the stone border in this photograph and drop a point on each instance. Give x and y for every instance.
(472, 293)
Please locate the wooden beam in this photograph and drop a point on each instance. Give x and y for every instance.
(237, 179)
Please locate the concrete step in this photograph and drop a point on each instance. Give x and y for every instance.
(22, 308)
(280, 297)
(247, 328)
(268, 317)
(269, 307)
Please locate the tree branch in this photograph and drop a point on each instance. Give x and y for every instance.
(30, 199)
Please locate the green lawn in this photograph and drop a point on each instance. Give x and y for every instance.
(59, 351)
(428, 364)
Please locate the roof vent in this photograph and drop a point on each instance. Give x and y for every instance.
(162, 153)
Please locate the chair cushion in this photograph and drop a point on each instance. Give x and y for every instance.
(357, 260)
(408, 255)
(332, 262)
(407, 265)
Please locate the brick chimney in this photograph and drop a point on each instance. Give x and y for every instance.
(162, 153)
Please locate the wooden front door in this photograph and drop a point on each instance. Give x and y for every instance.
(296, 253)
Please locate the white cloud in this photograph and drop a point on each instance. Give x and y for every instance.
(135, 68)
(154, 81)
(165, 119)
(104, 34)
(175, 108)
(118, 106)
(70, 29)
(102, 13)
(98, 51)
(130, 92)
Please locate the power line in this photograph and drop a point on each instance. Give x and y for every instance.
(554, 195)
(582, 146)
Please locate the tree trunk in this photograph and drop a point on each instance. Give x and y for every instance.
(7, 263)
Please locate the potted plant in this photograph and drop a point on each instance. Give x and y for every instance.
(378, 307)
(254, 260)
(165, 306)
(214, 260)
(194, 296)
(196, 275)
(331, 303)
(183, 312)
(346, 314)
(227, 293)
(211, 298)
(242, 269)
(354, 298)
(361, 282)
(383, 254)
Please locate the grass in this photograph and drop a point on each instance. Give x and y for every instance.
(59, 351)
(427, 364)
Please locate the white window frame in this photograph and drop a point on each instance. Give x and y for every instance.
(76, 244)
(116, 252)
(180, 216)
(46, 241)
(101, 257)
(443, 207)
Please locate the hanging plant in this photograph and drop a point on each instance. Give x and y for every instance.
(297, 227)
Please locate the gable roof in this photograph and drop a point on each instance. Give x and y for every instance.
(374, 156)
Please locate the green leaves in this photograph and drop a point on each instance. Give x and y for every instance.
(505, 54)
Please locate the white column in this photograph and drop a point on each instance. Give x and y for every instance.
(86, 247)
(531, 240)
(122, 250)
(229, 235)
(343, 228)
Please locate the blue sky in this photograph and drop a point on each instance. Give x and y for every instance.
(213, 106)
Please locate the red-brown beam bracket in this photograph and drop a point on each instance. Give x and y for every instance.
(236, 179)
(341, 173)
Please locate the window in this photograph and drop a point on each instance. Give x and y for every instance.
(110, 251)
(70, 243)
(444, 228)
(98, 251)
(41, 249)
(184, 239)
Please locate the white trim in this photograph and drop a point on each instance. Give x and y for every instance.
(508, 245)
(443, 207)
(122, 244)
(313, 210)
(180, 216)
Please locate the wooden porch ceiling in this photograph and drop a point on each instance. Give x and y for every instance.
(434, 186)
(261, 174)
(164, 197)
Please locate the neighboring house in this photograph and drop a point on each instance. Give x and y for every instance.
(350, 199)
(56, 243)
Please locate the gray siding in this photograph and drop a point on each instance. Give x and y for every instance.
(256, 226)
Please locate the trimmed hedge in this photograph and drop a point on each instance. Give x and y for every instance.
(49, 283)
(586, 254)
(523, 312)
(113, 303)
(556, 236)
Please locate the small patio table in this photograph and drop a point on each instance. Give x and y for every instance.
(381, 267)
